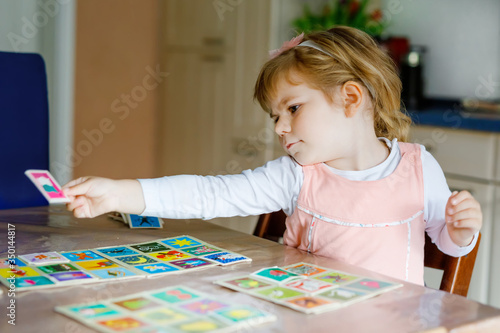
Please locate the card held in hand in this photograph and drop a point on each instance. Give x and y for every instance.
(46, 184)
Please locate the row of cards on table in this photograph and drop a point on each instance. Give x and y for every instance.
(174, 309)
(308, 288)
(163, 256)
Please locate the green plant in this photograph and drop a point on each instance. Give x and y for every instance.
(352, 13)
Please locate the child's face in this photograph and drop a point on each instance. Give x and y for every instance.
(311, 128)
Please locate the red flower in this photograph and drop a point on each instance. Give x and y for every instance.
(353, 7)
(377, 15)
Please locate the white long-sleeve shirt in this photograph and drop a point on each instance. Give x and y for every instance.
(277, 185)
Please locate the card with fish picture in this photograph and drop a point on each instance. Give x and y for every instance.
(116, 251)
(47, 185)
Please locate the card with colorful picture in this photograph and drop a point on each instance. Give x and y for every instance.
(181, 242)
(138, 221)
(226, 258)
(116, 251)
(275, 275)
(44, 258)
(149, 247)
(47, 185)
(173, 309)
(303, 268)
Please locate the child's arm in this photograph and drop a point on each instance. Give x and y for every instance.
(463, 217)
(269, 188)
(93, 196)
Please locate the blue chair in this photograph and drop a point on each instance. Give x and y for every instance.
(24, 127)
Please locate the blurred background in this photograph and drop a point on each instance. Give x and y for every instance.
(147, 88)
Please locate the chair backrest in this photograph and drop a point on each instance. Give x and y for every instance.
(457, 272)
(24, 127)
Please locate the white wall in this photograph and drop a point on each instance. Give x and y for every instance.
(46, 27)
(463, 41)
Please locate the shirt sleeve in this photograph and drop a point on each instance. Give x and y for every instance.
(436, 194)
(269, 188)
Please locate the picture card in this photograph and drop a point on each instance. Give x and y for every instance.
(47, 185)
(138, 221)
(44, 258)
(275, 274)
(226, 258)
(116, 251)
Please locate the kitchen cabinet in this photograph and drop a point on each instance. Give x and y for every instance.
(469, 160)
(494, 286)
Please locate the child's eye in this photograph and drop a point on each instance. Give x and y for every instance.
(293, 108)
(275, 119)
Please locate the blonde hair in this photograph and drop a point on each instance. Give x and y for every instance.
(354, 57)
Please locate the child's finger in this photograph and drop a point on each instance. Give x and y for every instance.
(464, 205)
(74, 182)
(465, 214)
(78, 202)
(77, 187)
(459, 197)
(81, 212)
(467, 224)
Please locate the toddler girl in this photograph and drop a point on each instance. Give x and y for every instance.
(352, 188)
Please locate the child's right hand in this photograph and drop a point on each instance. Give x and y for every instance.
(93, 196)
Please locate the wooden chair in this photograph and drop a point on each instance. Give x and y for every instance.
(457, 272)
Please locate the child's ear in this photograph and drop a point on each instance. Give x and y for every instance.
(352, 97)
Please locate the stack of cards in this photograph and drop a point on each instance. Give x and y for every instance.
(137, 221)
(308, 288)
(47, 185)
(173, 309)
(162, 256)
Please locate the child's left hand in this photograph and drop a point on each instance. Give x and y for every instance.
(463, 217)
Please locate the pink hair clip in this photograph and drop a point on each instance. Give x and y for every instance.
(287, 45)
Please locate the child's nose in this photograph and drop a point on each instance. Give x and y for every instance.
(282, 126)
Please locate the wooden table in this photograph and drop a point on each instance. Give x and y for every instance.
(411, 308)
